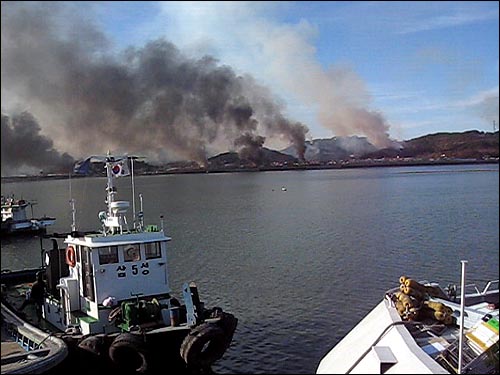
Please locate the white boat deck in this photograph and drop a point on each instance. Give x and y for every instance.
(385, 343)
(394, 353)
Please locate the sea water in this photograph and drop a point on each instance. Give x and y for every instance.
(298, 266)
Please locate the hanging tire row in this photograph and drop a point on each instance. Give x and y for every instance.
(202, 346)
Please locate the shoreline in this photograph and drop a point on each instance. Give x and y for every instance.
(340, 165)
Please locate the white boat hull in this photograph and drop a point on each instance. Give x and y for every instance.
(358, 345)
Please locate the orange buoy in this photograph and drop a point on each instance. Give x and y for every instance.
(70, 256)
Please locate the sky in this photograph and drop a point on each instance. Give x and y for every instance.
(388, 71)
(427, 66)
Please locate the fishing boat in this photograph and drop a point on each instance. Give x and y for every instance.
(422, 328)
(107, 294)
(15, 218)
(27, 349)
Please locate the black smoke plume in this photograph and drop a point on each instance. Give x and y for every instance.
(250, 147)
(22, 145)
(151, 100)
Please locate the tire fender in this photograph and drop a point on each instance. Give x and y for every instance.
(228, 323)
(204, 345)
(128, 351)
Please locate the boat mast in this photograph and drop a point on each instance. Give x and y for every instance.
(133, 187)
(73, 215)
(141, 215)
(462, 313)
(72, 204)
(111, 189)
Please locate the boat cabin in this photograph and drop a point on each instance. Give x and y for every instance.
(14, 213)
(107, 293)
(95, 272)
(103, 272)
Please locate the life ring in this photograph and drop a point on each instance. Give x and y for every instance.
(203, 346)
(133, 253)
(70, 256)
(128, 351)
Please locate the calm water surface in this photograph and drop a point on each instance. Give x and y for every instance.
(300, 267)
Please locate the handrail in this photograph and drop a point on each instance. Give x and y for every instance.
(488, 286)
(485, 289)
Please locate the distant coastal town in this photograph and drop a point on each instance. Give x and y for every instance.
(472, 147)
(162, 170)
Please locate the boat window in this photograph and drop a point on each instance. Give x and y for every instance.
(87, 273)
(131, 253)
(153, 250)
(108, 255)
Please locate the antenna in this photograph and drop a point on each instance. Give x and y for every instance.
(110, 188)
(73, 215)
(133, 187)
(72, 204)
(141, 214)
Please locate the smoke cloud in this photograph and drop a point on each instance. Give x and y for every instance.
(251, 147)
(22, 145)
(487, 107)
(338, 93)
(283, 54)
(151, 100)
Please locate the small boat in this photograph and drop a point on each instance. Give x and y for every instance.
(15, 218)
(107, 295)
(421, 328)
(26, 349)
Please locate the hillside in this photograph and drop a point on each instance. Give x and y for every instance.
(336, 152)
(335, 148)
(267, 158)
(357, 151)
(343, 151)
(466, 145)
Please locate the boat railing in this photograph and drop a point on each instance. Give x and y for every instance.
(488, 288)
(473, 294)
(24, 341)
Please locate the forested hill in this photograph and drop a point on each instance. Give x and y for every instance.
(467, 145)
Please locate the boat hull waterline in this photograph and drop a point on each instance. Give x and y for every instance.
(107, 294)
(416, 329)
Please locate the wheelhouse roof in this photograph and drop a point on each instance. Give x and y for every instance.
(99, 240)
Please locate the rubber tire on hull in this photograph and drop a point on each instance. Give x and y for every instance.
(228, 324)
(128, 352)
(203, 346)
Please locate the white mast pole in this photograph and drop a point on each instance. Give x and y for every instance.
(462, 313)
(73, 215)
(70, 192)
(133, 187)
(141, 222)
(111, 192)
(72, 204)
